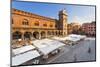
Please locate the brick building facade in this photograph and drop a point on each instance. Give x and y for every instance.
(73, 27)
(89, 28)
(27, 25)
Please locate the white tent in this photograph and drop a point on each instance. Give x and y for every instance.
(22, 49)
(22, 58)
(58, 38)
(70, 38)
(51, 47)
(46, 45)
(77, 36)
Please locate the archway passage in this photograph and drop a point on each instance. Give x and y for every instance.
(49, 33)
(52, 32)
(56, 32)
(64, 33)
(17, 35)
(59, 33)
(43, 34)
(27, 35)
(36, 35)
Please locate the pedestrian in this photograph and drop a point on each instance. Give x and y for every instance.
(75, 58)
(89, 50)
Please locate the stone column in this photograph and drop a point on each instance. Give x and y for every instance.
(39, 36)
(46, 34)
(31, 36)
(22, 36)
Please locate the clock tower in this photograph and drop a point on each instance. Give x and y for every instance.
(63, 21)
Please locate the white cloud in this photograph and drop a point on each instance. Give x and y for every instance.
(83, 19)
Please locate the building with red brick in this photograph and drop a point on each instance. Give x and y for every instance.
(89, 28)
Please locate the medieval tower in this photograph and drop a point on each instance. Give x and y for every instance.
(63, 17)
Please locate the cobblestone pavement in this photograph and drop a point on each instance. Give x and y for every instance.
(83, 51)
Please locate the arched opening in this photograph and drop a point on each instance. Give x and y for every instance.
(64, 33)
(12, 21)
(36, 35)
(16, 35)
(27, 35)
(43, 34)
(55, 32)
(52, 32)
(59, 33)
(25, 22)
(49, 33)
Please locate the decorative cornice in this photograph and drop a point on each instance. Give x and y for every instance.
(24, 13)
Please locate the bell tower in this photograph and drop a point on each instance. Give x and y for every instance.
(63, 21)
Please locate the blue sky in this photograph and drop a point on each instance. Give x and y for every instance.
(76, 13)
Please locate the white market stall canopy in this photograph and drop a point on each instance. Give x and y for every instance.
(22, 49)
(22, 58)
(67, 38)
(72, 37)
(77, 36)
(46, 45)
(59, 38)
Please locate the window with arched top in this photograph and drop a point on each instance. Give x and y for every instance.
(51, 25)
(12, 21)
(36, 23)
(45, 25)
(55, 25)
(25, 22)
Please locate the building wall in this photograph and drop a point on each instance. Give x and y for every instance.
(89, 28)
(26, 24)
(69, 28)
(73, 27)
